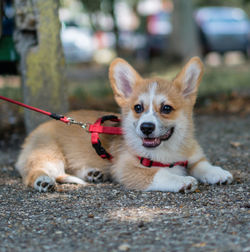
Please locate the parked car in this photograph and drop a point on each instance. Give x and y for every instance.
(223, 29)
(151, 38)
(8, 53)
(77, 43)
(159, 30)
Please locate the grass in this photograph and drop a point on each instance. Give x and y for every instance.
(11, 92)
(219, 80)
(223, 80)
(97, 94)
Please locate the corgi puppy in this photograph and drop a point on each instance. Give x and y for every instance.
(157, 125)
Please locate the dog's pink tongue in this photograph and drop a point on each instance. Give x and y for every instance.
(151, 142)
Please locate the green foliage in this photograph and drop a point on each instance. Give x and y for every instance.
(11, 92)
(95, 88)
(219, 3)
(224, 80)
(217, 80)
(98, 5)
(92, 5)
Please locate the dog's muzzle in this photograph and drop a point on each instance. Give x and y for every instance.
(156, 141)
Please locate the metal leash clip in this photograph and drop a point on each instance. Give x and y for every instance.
(85, 126)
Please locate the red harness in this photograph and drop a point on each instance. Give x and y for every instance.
(96, 129)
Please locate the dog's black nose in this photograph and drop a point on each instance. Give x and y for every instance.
(147, 128)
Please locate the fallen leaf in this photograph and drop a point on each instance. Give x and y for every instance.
(124, 247)
(90, 215)
(199, 245)
(235, 144)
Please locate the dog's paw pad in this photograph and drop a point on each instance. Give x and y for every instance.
(44, 184)
(190, 185)
(94, 176)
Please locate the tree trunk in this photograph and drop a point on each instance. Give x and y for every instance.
(115, 30)
(42, 65)
(184, 38)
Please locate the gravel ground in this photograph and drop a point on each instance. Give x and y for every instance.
(106, 217)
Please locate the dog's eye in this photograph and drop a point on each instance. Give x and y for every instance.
(166, 109)
(138, 108)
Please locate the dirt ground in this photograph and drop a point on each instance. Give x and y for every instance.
(107, 217)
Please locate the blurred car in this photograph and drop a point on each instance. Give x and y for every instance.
(223, 29)
(151, 38)
(159, 30)
(8, 53)
(77, 43)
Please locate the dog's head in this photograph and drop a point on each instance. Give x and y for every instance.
(156, 113)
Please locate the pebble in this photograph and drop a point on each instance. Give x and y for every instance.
(124, 247)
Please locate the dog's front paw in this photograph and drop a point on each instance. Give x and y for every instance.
(44, 184)
(166, 181)
(188, 184)
(214, 175)
(94, 176)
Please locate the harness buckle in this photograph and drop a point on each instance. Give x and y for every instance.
(85, 126)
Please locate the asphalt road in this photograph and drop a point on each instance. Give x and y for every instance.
(106, 217)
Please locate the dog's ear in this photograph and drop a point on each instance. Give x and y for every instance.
(189, 78)
(122, 77)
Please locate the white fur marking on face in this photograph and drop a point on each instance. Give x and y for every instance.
(124, 79)
(191, 77)
(152, 93)
(148, 99)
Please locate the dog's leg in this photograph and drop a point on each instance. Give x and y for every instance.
(42, 164)
(165, 180)
(207, 173)
(42, 174)
(50, 172)
(153, 179)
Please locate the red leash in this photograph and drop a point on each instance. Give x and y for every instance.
(95, 129)
(52, 115)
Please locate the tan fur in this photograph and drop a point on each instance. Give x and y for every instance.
(54, 141)
(57, 150)
(192, 166)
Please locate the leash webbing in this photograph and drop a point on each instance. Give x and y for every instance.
(52, 115)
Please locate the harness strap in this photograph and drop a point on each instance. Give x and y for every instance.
(96, 128)
(149, 163)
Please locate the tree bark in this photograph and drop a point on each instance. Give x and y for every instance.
(42, 65)
(184, 38)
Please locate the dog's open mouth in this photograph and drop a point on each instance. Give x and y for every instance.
(154, 142)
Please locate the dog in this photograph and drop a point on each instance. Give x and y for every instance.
(156, 120)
